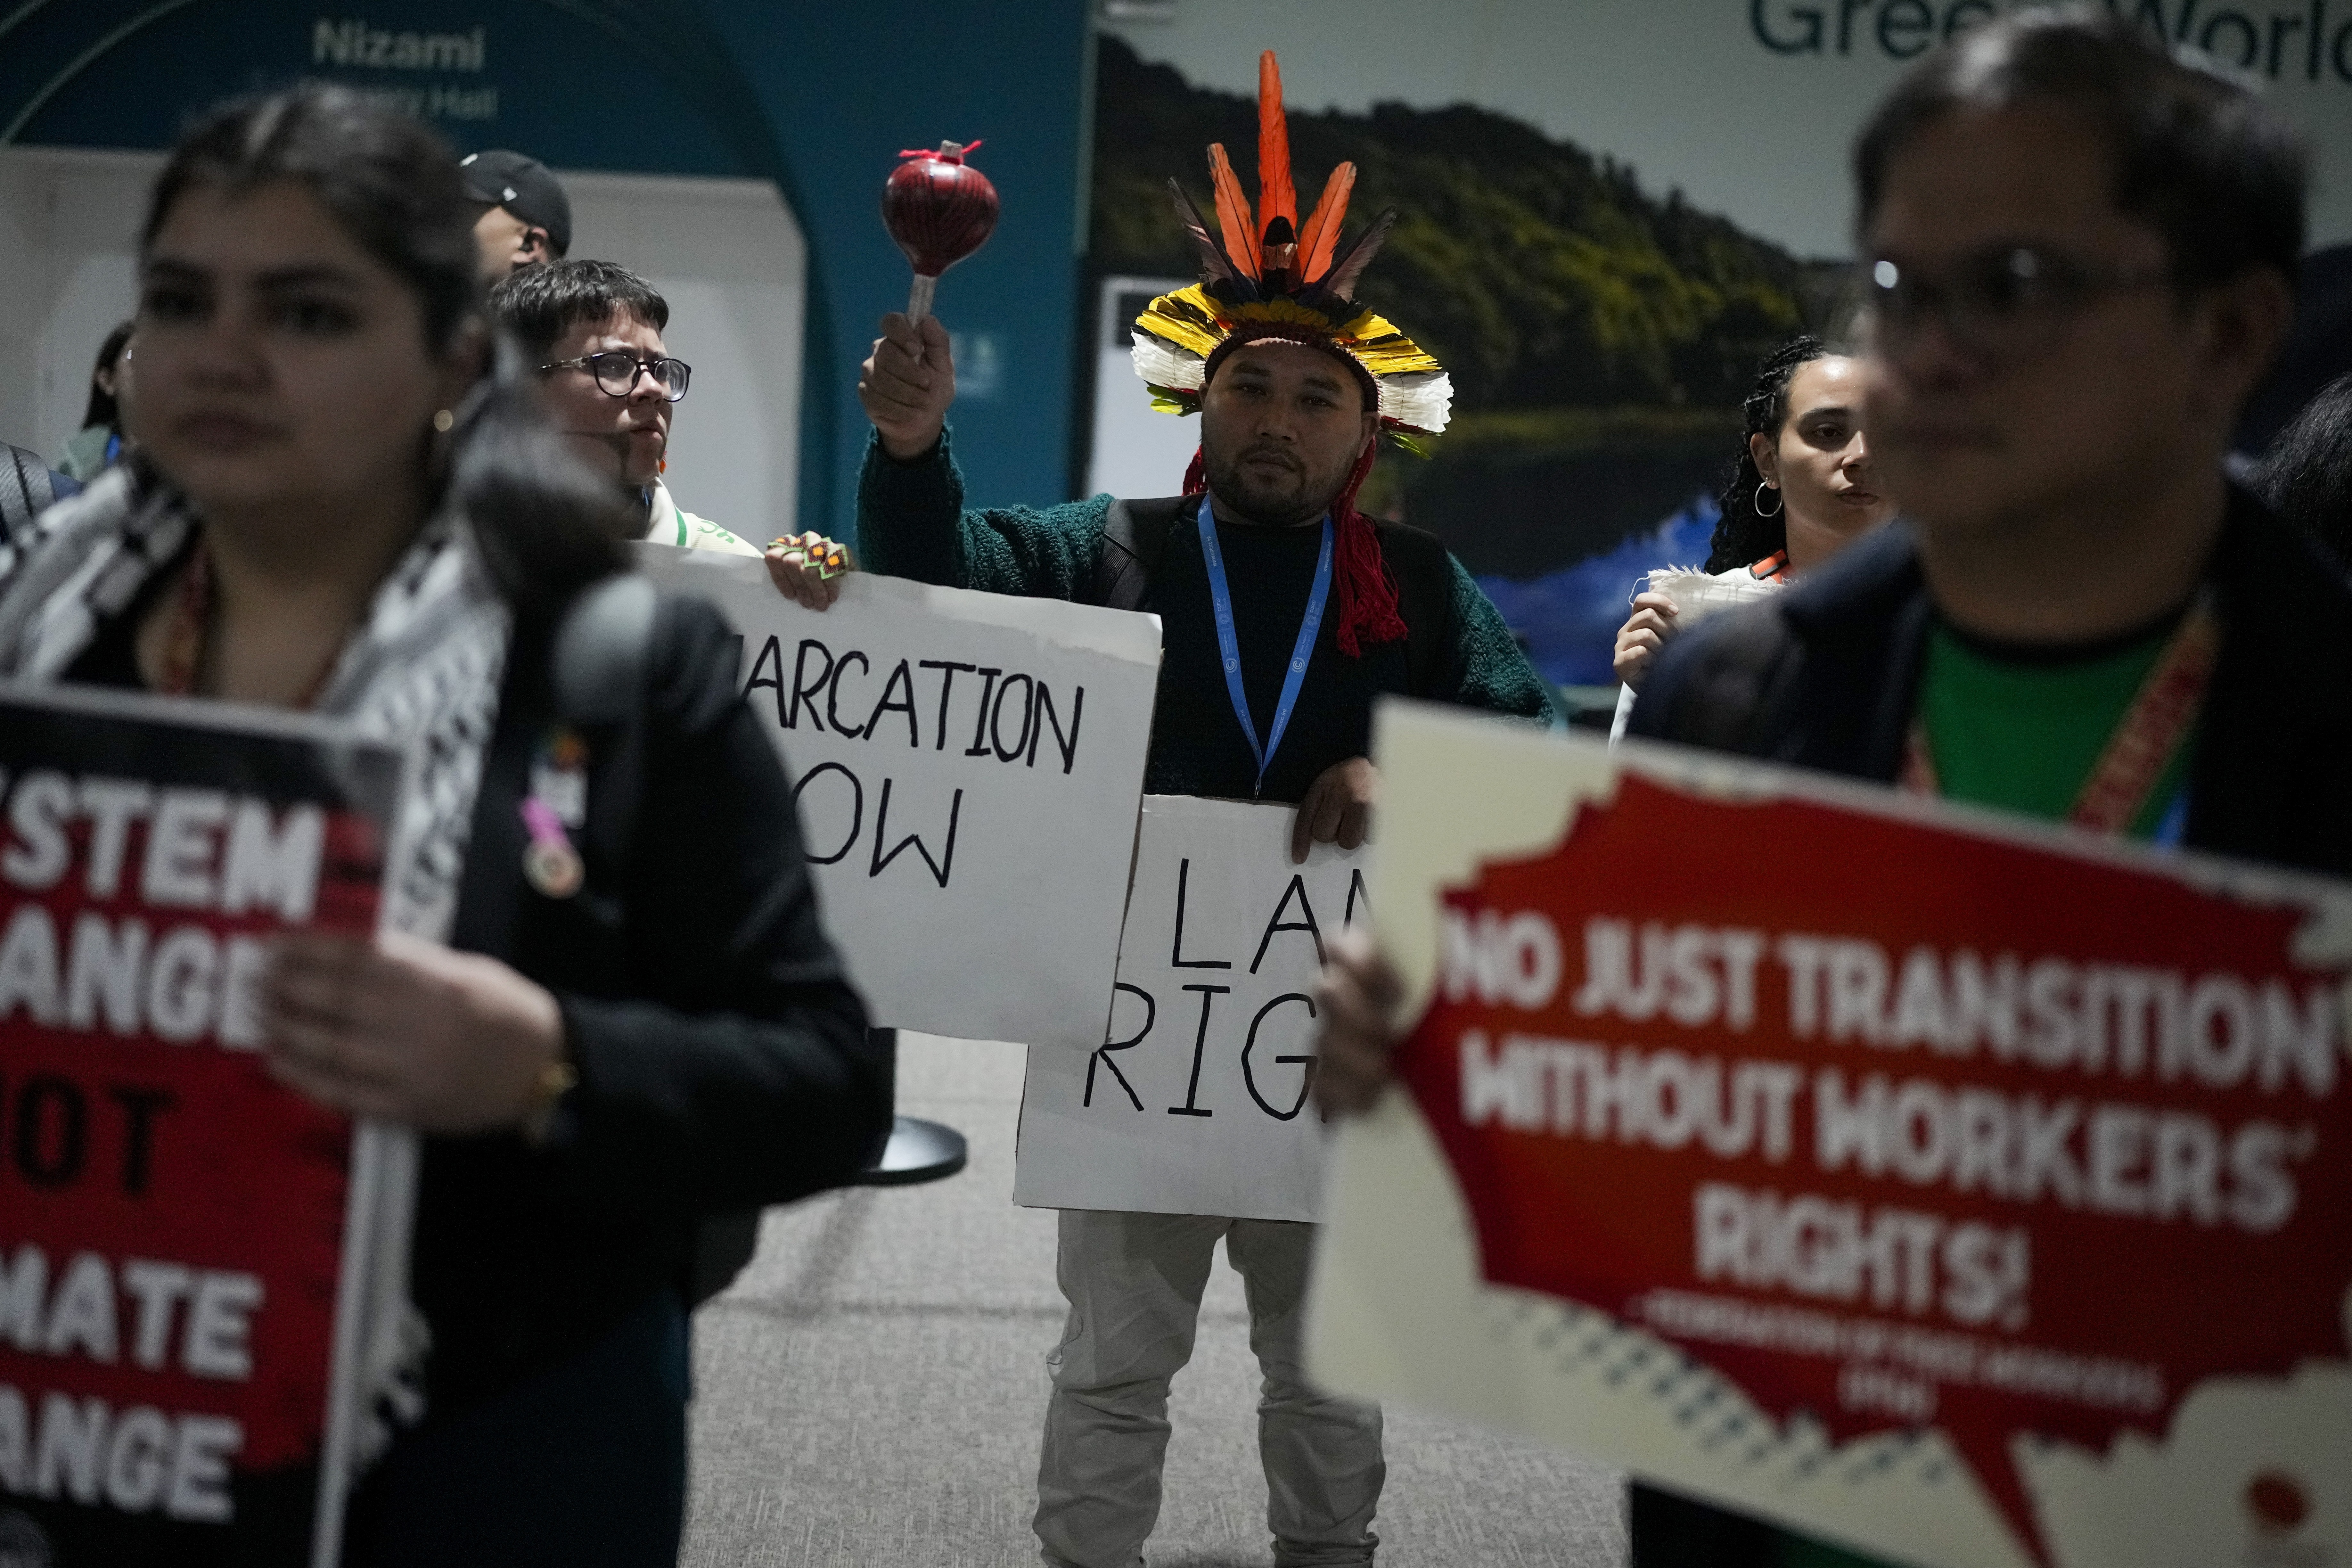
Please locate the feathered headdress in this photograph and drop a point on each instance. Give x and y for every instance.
(1272, 276)
(1272, 279)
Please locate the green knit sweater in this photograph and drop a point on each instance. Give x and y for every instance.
(911, 522)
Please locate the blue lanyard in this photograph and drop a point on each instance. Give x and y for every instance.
(1221, 598)
(2173, 830)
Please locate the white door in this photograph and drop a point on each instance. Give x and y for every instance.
(726, 253)
(1137, 451)
(733, 264)
(69, 229)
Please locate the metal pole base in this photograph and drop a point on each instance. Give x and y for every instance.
(917, 1151)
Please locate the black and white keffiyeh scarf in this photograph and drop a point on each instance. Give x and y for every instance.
(422, 673)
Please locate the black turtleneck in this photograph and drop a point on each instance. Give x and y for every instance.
(1197, 744)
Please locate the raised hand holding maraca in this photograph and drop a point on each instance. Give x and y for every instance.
(906, 384)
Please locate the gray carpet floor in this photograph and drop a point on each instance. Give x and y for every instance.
(872, 1389)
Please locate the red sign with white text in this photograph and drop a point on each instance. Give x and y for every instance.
(170, 1218)
(1901, 1125)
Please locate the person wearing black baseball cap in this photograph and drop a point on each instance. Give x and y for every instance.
(526, 217)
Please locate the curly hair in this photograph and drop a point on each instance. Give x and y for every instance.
(2307, 474)
(1742, 534)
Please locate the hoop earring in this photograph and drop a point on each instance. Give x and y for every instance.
(1758, 503)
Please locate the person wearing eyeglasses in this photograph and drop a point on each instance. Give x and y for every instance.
(2078, 251)
(593, 330)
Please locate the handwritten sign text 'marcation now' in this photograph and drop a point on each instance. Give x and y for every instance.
(1944, 1131)
(967, 768)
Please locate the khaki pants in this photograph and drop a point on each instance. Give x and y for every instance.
(1134, 1284)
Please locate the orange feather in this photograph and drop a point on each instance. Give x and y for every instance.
(1320, 238)
(1233, 212)
(1276, 195)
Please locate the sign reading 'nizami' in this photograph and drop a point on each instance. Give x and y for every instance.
(1883, 1124)
(172, 1220)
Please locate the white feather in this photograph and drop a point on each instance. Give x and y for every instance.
(1698, 594)
(1423, 399)
(1162, 363)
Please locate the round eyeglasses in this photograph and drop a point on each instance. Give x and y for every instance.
(2004, 301)
(616, 372)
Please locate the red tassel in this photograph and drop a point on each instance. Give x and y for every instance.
(1360, 577)
(1367, 593)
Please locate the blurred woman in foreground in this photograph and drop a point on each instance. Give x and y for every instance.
(345, 511)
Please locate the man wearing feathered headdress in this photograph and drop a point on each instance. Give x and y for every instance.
(1284, 613)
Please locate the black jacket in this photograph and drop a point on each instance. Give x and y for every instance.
(722, 1056)
(723, 1059)
(1825, 676)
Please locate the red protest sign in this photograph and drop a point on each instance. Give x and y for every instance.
(1888, 1123)
(172, 1220)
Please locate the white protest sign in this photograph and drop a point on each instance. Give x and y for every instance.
(968, 768)
(1194, 1101)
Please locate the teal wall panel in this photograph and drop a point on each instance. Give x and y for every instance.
(818, 98)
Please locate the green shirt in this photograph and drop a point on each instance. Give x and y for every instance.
(667, 522)
(2022, 735)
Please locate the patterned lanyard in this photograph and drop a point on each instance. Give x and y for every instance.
(2146, 739)
(1229, 646)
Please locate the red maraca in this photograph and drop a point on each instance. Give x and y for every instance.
(939, 209)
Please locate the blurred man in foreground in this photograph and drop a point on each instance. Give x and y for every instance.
(2079, 254)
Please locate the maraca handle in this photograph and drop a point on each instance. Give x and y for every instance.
(919, 298)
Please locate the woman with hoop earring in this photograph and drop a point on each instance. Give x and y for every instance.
(1802, 490)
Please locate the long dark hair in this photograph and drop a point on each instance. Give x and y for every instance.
(102, 408)
(2306, 473)
(546, 527)
(1743, 535)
